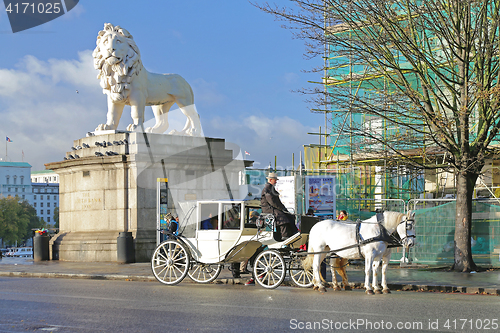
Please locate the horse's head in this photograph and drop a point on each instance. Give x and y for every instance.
(406, 230)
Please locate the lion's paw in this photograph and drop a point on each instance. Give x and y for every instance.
(132, 128)
(103, 127)
(175, 132)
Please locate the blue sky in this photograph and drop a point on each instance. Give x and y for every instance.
(240, 62)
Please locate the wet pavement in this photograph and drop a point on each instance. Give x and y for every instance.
(398, 278)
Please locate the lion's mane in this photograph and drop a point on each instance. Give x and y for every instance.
(115, 76)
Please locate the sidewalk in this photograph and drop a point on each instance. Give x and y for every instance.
(398, 278)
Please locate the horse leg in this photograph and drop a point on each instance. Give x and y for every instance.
(385, 264)
(317, 278)
(368, 267)
(161, 118)
(376, 264)
(334, 263)
(342, 263)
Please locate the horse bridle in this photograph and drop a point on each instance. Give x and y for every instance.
(409, 225)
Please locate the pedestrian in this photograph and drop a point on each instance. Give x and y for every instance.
(342, 215)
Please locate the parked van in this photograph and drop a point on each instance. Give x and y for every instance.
(21, 252)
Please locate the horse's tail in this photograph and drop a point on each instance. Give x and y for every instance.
(308, 262)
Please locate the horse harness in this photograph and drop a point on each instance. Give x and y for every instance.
(384, 236)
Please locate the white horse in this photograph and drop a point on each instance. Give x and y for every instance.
(356, 240)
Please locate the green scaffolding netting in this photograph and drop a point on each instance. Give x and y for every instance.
(435, 228)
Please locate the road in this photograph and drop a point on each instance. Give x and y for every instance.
(66, 305)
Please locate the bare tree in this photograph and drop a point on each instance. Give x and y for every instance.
(423, 75)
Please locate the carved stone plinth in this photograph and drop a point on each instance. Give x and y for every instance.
(101, 196)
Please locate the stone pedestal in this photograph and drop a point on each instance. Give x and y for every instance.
(101, 196)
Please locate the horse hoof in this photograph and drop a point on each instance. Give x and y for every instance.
(378, 292)
(370, 292)
(322, 289)
(347, 288)
(315, 288)
(337, 288)
(386, 291)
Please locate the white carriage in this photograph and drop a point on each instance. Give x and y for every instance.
(217, 233)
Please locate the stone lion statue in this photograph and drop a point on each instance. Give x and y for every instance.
(126, 82)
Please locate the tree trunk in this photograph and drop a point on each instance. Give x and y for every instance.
(463, 223)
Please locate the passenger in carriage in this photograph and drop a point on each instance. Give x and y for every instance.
(271, 204)
(233, 222)
(209, 223)
(254, 215)
(206, 224)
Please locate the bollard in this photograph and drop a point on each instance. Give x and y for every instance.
(41, 247)
(125, 248)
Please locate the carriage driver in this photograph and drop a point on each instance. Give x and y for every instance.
(271, 204)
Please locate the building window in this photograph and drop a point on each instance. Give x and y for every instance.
(15, 180)
(41, 212)
(15, 189)
(34, 196)
(55, 204)
(48, 204)
(48, 211)
(7, 179)
(48, 218)
(23, 189)
(8, 190)
(22, 180)
(48, 197)
(41, 204)
(24, 197)
(55, 197)
(34, 204)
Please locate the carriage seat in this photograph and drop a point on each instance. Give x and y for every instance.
(292, 239)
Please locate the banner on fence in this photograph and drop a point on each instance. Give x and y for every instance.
(320, 195)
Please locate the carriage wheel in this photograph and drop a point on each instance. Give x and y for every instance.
(170, 262)
(269, 269)
(204, 273)
(301, 277)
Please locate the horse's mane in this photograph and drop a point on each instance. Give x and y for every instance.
(391, 220)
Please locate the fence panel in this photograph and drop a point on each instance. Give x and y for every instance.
(435, 229)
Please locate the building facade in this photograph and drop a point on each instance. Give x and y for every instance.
(45, 194)
(40, 188)
(15, 180)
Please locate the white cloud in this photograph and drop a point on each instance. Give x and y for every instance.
(263, 137)
(41, 110)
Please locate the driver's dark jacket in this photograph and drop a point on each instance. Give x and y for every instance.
(271, 204)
